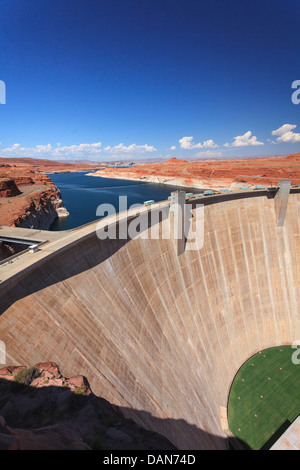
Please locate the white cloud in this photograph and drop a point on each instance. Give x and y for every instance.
(285, 134)
(173, 147)
(47, 151)
(188, 144)
(43, 148)
(244, 140)
(79, 151)
(209, 144)
(209, 153)
(133, 148)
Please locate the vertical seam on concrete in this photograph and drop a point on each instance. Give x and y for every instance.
(254, 313)
(237, 283)
(222, 287)
(188, 255)
(211, 312)
(253, 257)
(270, 287)
(284, 263)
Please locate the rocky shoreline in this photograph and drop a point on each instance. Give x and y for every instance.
(28, 199)
(42, 211)
(171, 181)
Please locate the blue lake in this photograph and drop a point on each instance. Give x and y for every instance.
(82, 195)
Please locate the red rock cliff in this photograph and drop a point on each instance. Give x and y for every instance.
(28, 196)
(8, 188)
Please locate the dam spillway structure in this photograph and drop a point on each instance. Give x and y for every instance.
(160, 330)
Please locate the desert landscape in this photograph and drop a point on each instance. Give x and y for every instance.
(213, 174)
(29, 198)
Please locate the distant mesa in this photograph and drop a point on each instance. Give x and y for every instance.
(176, 161)
(293, 156)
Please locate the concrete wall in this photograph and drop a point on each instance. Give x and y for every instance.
(162, 335)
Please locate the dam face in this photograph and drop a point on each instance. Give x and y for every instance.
(160, 335)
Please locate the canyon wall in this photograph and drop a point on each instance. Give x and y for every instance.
(41, 210)
(28, 198)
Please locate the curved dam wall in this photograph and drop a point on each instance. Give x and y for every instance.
(162, 336)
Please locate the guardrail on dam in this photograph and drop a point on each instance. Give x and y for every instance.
(158, 334)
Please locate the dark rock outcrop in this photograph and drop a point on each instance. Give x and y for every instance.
(40, 409)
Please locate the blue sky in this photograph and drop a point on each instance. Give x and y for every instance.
(114, 79)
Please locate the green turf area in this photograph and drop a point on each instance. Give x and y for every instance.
(264, 395)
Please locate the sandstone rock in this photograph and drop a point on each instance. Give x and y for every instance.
(10, 371)
(39, 201)
(8, 188)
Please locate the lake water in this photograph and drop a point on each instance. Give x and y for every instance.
(82, 195)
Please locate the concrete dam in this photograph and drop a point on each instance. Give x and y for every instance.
(158, 333)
